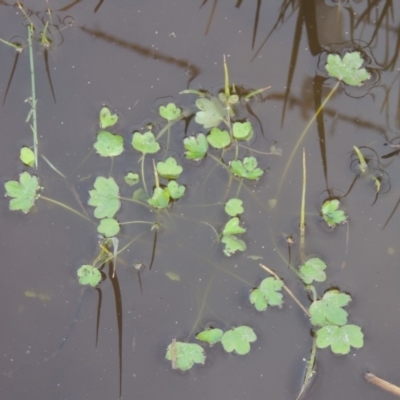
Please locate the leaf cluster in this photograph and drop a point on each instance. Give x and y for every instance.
(232, 228)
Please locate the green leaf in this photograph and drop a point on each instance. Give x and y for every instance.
(27, 156)
(89, 275)
(219, 139)
(109, 227)
(196, 147)
(131, 178)
(347, 69)
(328, 310)
(211, 112)
(175, 191)
(105, 197)
(145, 143)
(169, 112)
(140, 195)
(267, 294)
(160, 198)
(234, 207)
(242, 130)
(340, 338)
(106, 119)
(238, 340)
(211, 336)
(313, 270)
(169, 169)
(232, 227)
(331, 214)
(232, 244)
(246, 168)
(108, 144)
(24, 192)
(187, 354)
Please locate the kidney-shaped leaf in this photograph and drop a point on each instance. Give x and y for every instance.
(313, 270)
(108, 144)
(24, 192)
(211, 112)
(238, 340)
(106, 118)
(196, 147)
(267, 294)
(89, 275)
(211, 336)
(145, 143)
(340, 338)
(185, 355)
(105, 197)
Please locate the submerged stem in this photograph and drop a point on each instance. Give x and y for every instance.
(303, 210)
(66, 207)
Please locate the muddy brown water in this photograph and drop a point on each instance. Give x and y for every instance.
(133, 56)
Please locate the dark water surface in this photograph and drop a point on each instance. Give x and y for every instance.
(134, 56)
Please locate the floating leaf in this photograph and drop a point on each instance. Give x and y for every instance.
(27, 156)
(173, 276)
(246, 168)
(108, 144)
(232, 244)
(242, 130)
(105, 197)
(211, 112)
(267, 294)
(24, 192)
(106, 119)
(145, 143)
(234, 207)
(331, 214)
(176, 191)
(169, 169)
(313, 270)
(196, 147)
(232, 227)
(219, 139)
(89, 275)
(160, 198)
(211, 336)
(328, 310)
(170, 111)
(186, 355)
(109, 227)
(131, 178)
(347, 69)
(238, 340)
(340, 338)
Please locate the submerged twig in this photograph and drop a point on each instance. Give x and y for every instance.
(381, 383)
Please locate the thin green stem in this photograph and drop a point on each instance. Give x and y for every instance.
(66, 207)
(303, 134)
(52, 166)
(303, 211)
(142, 172)
(33, 99)
(136, 222)
(15, 46)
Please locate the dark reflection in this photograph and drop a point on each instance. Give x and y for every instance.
(145, 51)
(99, 303)
(11, 76)
(75, 2)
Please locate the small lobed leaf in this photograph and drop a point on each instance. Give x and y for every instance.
(313, 270)
(347, 69)
(232, 227)
(242, 130)
(238, 340)
(219, 139)
(185, 355)
(170, 111)
(246, 168)
(108, 227)
(331, 214)
(267, 294)
(328, 310)
(27, 156)
(169, 169)
(145, 143)
(234, 207)
(232, 244)
(211, 336)
(106, 118)
(160, 198)
(211, 112)
(89, 275)
(131, 178)
(340, 338)
(175, 190)
(105, 197)
(108, 144)
(196, 147)
(24, 192)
